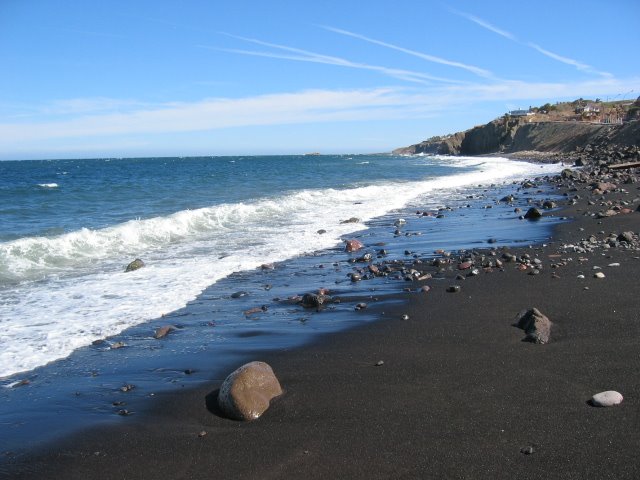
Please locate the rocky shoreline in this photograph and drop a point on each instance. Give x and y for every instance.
(443, 385)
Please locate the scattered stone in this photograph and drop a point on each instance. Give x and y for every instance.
(117, 345)
(124, 412)
(361, 306)
(533, 214)
(267, 266)
(350, 220)
(626, 237)
(548, 205)
(355, 277)
(247, 392)
(609, 398)
(536, 325)
(465, 265)
(239, 294)
(253, 310)
(527, 450)
(321, 231)
(424, 289)
(21, 383)
(353, 245)
(379, 363)
(127, 388)
(135, 265)
(598, 275)
(202, 433)
(313, 300)
(163, 331)
(453, 288)
(405, 317)
(614, 265)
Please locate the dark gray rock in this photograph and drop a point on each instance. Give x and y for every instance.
(536, 325)
(135, 265)
(533, 214)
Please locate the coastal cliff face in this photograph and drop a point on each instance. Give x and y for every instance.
(507, 135)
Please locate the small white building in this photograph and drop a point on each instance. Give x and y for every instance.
(520, 113)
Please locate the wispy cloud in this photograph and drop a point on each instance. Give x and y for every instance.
(312, 106)
(313, 57)
(569, 61)
(560, 58)
(485, 24)
(430, 58)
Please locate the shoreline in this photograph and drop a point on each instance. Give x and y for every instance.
(437, 402)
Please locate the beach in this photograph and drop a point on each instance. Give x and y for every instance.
(452, 391)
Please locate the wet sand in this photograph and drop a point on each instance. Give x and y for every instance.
(459, 394)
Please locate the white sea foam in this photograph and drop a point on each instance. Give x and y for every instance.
(48, 185)
(63, 292)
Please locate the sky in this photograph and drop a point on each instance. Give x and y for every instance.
(89, 78)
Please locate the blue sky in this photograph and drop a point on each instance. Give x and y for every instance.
(162, 78)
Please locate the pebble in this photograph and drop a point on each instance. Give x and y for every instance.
(609, 398)
(580, 276)
(202, 434)
(379, 363)
(405, 317)
(361, 306)
(614, 265)
(453, 288)
(527, 450)
(599, 275)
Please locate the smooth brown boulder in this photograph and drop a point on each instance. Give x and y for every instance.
(536, 325)
(247, 392)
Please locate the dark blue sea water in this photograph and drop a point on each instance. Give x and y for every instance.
(203, 226)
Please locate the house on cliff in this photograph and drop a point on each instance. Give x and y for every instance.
(520, 113)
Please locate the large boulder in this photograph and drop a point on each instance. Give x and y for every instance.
(247, 392)
(536, 325)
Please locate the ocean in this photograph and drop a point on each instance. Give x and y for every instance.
(204, 226)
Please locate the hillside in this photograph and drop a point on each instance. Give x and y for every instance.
(564, 130)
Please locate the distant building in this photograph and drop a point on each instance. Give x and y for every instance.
(588, 110)
(520, 113)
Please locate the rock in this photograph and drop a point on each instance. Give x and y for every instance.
(164, 331)
(465, 265)
(117, 345)
(239, 294)
(605, 186)
(609, 398)
(312, 300)
(548, 205)
(135, 265)
(405, 317)
(598, 275)
(361, 306)
(379, 363)
(626, 237)
(533, 214)
(353, 245)
(247, 392)
(350, 220)
(508, 199)
(321, 231)
(527, 450)
(355, 277)
(424, 289)
(453, 288)
(536, 325)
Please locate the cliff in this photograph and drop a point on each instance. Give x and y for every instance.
(512, 135)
